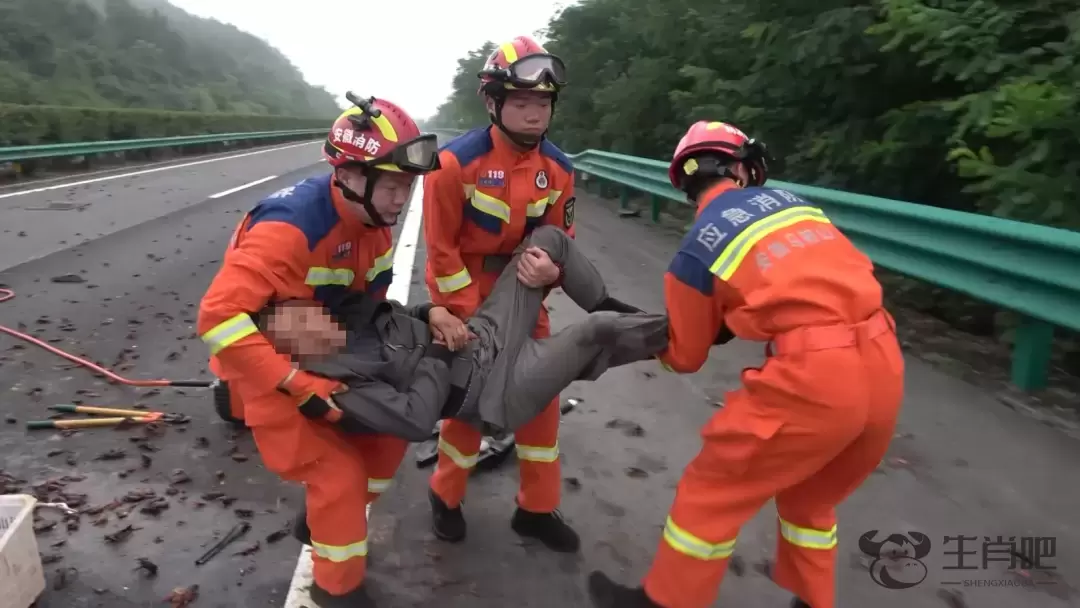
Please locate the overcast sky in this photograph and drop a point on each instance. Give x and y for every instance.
(408, 57)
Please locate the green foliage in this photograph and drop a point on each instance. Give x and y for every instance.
(27, 125)
(464, 109)
(145, 54)
(967, 104)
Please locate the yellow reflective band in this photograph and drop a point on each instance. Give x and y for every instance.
(692, 546)
(509, 52)
(665, 366)
(383, 124)
(733, 255)
(377, 486)
(340, 553)
(537, 208)
(808, 538)
(385, 127)
(227, 333)
(487, 204)
(453, 282)
(461, 460)
(534, 453)
(382, 263)
(320, 277)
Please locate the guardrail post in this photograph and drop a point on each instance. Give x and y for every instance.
(624, 198)
(1031, 354)
(656, 209)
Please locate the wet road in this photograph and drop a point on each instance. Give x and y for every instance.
(961, 462)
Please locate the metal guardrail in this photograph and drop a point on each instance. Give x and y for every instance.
(1031, 269)
(18, 153)
(446, 134)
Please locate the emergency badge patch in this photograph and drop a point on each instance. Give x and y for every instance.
(568, 212)
(541, 179)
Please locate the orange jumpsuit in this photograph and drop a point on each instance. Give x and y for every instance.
(806, 428)
(478, 207)
(302, 242)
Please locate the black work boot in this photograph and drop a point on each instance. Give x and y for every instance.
(358, 598)
(606, 593)
(447, 524)
(548, 528)
(614, 305)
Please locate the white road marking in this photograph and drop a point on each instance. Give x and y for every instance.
(299, 595)
(154, 170)
(239, 188)
(405, 248)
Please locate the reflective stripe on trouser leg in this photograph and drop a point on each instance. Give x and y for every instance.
(807, 538)
(537, 446)
(711, 505)
(459, 451)
(382, 457)
(336, 500)
(376, 487)
(688, 567)
(806, 552)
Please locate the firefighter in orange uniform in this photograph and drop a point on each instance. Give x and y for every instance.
(495, 185)
(318, 240)
(808, 426)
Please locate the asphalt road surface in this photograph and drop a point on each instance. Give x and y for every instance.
(144, 248)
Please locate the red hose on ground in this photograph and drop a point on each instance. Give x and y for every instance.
(7, 294)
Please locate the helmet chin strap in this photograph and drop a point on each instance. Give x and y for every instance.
(527, 142)
(374, 219)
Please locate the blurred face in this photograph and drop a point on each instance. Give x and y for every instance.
(391, 194)
(303, 329)
(525, 112)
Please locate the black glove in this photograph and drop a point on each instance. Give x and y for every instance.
(315, 408)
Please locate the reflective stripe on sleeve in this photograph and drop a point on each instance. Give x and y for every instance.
(454, 282)
(225, 334)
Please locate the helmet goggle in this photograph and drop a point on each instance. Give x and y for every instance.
(531, 72)
(752, 152)
(420, 155)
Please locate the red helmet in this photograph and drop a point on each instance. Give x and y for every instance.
(378, 134)
(522, 64)
(718, 139)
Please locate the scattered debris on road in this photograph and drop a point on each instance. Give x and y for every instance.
(629, 428)
(182, 597)
(238, 531)
(146, 566)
